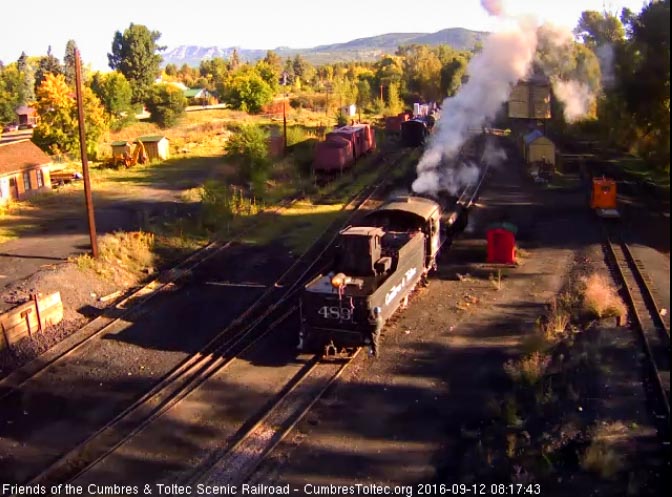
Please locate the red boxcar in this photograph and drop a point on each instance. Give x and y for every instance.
(333, 155)
(359, 135)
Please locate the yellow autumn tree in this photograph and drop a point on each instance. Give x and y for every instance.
(57, 131)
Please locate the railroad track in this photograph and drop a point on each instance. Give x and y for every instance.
(237, 462)
(125, 308)
(644, 316)
(213, 359)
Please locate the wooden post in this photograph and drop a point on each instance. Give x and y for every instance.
(37, 311)
(284, 126)
(26, 315)
(5, 340)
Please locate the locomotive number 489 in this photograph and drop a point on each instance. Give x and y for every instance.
(335, 312)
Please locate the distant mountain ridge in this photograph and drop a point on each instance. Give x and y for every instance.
(361, 49)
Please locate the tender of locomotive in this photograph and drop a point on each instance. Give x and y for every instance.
(376, 267)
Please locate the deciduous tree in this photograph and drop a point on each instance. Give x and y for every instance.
(247, 91)
(57, 131)
(115, 93)
(166, 104)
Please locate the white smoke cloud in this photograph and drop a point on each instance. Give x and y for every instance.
(493, 155)
(577, 97)
(506, 58)
(493, 7)
(605, 54)
(559, 64)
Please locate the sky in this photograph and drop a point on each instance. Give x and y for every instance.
(263, 24)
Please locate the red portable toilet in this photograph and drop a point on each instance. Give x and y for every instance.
(502, 243)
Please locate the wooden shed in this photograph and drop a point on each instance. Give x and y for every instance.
(26, 115)
(157, 147)
(536, 148)
(24, 170)
(120, 148)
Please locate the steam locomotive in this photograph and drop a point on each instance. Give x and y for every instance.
(376, 267)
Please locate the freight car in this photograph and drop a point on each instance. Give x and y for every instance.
(342, 147)
(376, 267)
(414, 132)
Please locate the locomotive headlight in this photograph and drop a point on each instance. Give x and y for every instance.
(338, 280)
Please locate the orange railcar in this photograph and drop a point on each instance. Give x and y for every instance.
(603, 197)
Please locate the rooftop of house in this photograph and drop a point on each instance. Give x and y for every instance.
(19, 155)
(151, 138)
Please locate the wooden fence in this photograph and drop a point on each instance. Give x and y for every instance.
(30, 318)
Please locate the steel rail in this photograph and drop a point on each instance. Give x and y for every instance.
(239, 461)
(652, 340)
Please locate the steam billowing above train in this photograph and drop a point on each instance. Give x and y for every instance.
(508, 56)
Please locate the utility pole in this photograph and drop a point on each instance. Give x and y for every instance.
(85, 161)
(284, 124)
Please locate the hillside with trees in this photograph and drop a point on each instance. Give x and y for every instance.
(625, 59)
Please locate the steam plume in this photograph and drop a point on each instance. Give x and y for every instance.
(493, 7)
(506, 57)
(570, 83)
(577, 97)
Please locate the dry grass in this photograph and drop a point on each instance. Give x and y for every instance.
(559, 317)
(601, 456)
(529, 370)
(123, 256)
(601, 299)
(496, 280)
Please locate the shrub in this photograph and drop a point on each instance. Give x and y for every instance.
(559, 316)
(600, 297)
(529, 370)
(249, 150)
(166, 104)
(121, 255)
(303, 153)
(221, 203)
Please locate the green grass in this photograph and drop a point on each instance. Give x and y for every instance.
(296, 227)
